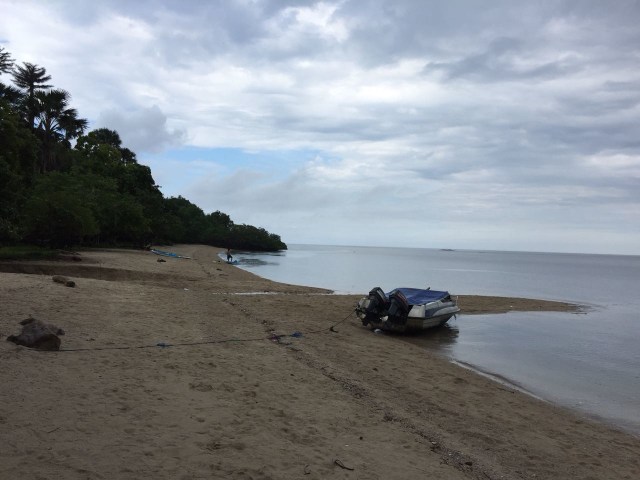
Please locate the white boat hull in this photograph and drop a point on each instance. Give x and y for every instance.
(416, 322)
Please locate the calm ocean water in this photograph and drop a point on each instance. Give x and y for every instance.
(589, 362)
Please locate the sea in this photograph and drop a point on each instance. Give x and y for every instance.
(588, 362)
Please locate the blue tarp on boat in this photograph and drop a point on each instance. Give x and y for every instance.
(417, 296)
(167, 254)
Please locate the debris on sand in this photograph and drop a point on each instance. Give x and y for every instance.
(67, 282)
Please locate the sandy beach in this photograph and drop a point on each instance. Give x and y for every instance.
(195, 369)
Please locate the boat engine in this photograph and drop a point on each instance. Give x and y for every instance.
(398, 310)
(373, 307)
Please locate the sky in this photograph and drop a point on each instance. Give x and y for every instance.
(493, 125)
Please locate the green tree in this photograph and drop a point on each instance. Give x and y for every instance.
(8, 92)
(56, 122)
(101, 136)
(18, 146)
(9, 200)
(248, 237)
(103, 151)
(6, 62)
(57, 213)
(96, 192)
(18, 157)
(120, 217)
(30, 78)
(191, 217)
(218, 229)
(100, 152)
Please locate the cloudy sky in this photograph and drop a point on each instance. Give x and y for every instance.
(502, 125)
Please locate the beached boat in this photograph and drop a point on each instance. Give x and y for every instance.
(406, 309)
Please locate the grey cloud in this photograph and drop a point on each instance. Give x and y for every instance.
(142, 130)
(191, 32)
(515, 102)
(384, 31)
(499, 62)
(294, 193)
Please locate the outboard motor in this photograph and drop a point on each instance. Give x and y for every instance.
(373, 307)
(398, 310)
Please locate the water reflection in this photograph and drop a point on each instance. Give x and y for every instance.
(253, 262)
(438, 339)
(262, 254)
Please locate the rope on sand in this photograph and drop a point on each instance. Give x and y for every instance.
(273, 337)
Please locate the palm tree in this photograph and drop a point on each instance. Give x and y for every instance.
(6, 62)
(72, 125)
(30, 78)
(8, 92)
(55, 123)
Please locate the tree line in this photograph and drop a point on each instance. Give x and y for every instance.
(61, 187)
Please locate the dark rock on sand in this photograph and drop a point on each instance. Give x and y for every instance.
(37, 334)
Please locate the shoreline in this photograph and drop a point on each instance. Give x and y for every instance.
(251, 399)
(505, 382)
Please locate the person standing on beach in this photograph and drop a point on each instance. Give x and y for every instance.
(229, 256)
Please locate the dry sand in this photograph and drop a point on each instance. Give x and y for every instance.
(230, 400)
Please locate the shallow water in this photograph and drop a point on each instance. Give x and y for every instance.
(589, 362)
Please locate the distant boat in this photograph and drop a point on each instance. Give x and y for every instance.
(167, 254)
(406, 309)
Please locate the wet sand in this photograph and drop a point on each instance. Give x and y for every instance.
(261, 380)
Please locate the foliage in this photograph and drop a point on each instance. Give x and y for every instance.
(8, 202)
(248, 237)
(56, 214)
(18, 156)
(26, 252)
(54, 194)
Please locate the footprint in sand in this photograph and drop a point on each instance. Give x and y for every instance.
(201, 387)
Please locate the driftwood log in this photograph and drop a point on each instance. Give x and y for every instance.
(64, 280)
(37, 334)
